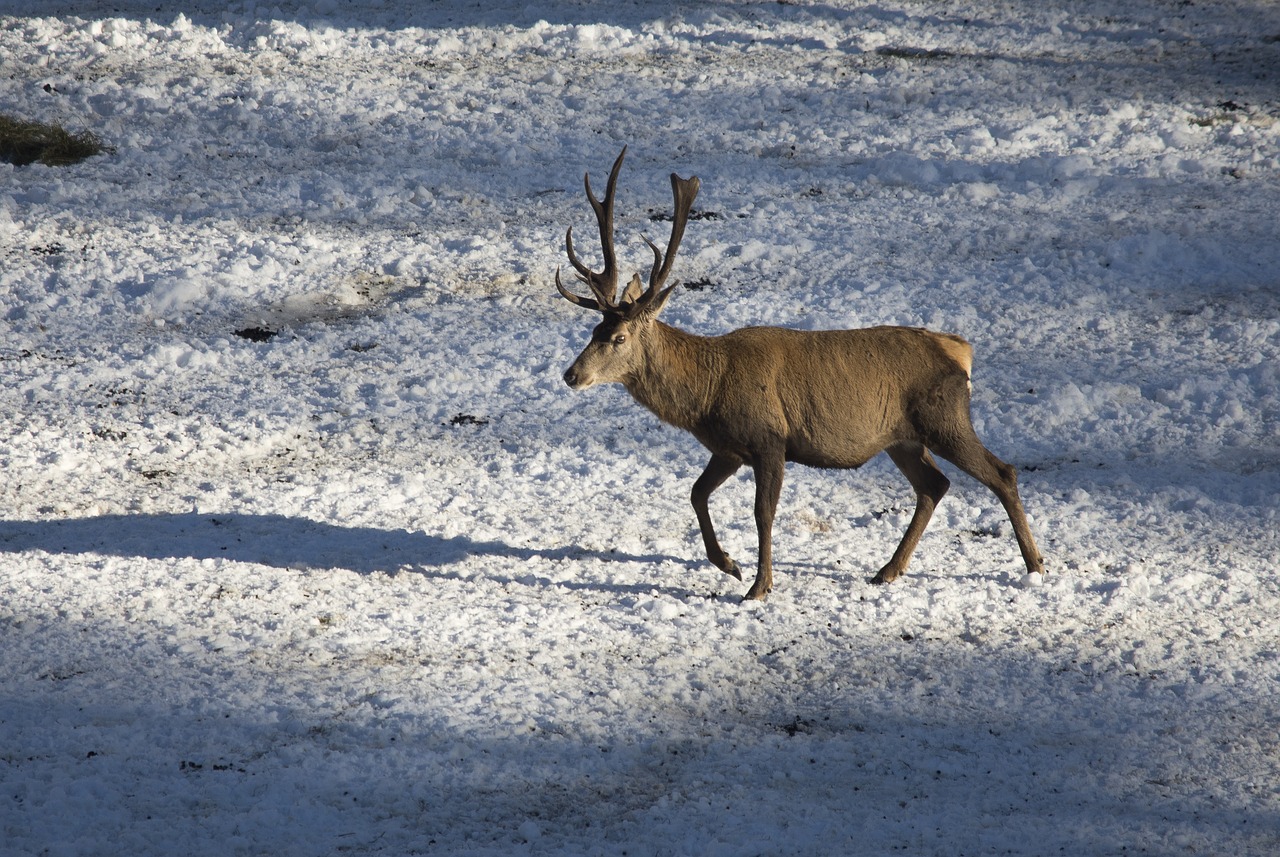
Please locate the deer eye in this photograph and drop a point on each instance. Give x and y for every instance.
(619, 338)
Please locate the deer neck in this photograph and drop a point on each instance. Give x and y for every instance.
(678, 376)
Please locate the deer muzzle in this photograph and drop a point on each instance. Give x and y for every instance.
(581, 374)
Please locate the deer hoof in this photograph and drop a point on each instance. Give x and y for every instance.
(885, 575)
(731, 569)
(753, 595)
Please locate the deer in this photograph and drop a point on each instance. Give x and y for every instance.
(765, 396)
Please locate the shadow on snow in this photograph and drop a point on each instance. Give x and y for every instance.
(285, 542)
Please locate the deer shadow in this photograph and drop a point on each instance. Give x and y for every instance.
(285, 542)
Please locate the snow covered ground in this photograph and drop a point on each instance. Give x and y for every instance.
(382, 584)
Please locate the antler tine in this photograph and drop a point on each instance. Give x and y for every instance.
(684, 191)
(579, 300)
(604, 285)
(586, 275)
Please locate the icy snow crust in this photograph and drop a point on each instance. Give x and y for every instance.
(382, 584)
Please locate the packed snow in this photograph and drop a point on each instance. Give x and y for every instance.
(306, 548)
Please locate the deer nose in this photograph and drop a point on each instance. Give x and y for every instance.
(571, 377)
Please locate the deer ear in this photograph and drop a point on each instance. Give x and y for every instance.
(649, 310)
(634, 289)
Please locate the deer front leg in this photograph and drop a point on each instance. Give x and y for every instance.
(717, 471)
(769, 472)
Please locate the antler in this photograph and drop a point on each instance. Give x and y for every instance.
(604, 285)
(684, 191)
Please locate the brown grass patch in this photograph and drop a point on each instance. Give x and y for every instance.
(23, 142)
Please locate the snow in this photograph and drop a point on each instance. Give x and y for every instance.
(382, 584)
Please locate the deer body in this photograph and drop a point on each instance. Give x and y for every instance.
(733, 392)
(763, 396)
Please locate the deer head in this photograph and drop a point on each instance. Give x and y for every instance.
(617, 346)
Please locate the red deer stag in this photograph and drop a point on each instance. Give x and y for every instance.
(763, 396)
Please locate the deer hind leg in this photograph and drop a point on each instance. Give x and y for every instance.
(958, 443)
(930, 485)
(717, 471)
